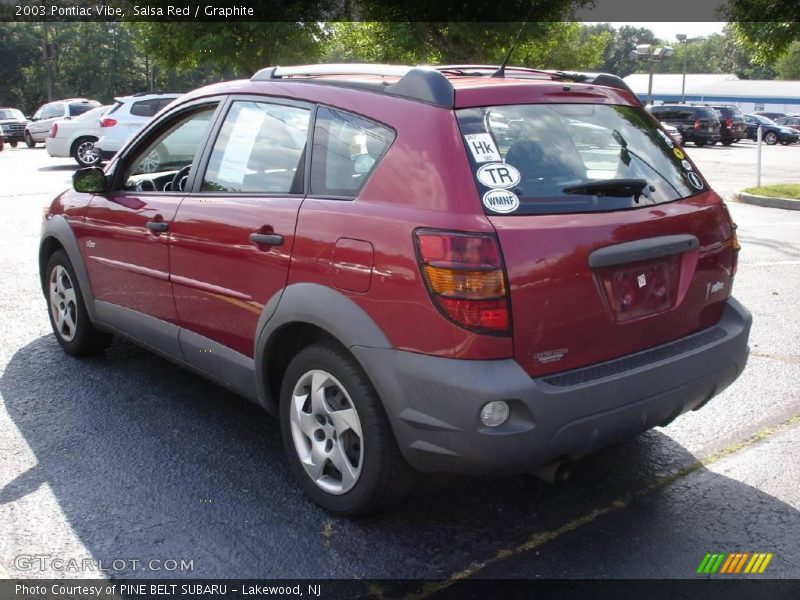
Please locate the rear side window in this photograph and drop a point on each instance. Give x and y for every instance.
(149, 108)
(346, 150)
(672, 113)
(564, 158)
(78, 108)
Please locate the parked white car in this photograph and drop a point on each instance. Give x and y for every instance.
(76, 137)
(128, 115)
(38, 129)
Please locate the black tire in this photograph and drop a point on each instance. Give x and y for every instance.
(771, 138)
(13, 144)
(385, 477)
(86, 339)
(728, 142)
(699, 143)
(83, 150)
(29, 141)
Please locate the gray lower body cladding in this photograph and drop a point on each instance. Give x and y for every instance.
(434, 403)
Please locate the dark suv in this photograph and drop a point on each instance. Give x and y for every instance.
(731, 124)
(698, 124)
(418, 267)
(12, 126)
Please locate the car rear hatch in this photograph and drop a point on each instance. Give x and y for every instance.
(612, 243)
(707, 121)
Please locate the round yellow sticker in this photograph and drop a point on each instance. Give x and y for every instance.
(679, 153)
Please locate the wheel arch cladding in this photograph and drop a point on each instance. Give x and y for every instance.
(58, 235)
(307, 312)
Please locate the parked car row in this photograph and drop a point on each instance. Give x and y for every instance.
(772, 131)
(703, 125)
(81, 128)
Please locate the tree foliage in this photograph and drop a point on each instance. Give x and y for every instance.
(765, 28)
(232, 49)
(541, 44)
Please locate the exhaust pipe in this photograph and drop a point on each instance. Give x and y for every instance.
(556, 472)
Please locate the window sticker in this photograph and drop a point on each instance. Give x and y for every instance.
(695, 180)
(667, 140)
(686, 165)
(501, 201)
(482, 147)
(240, 144)
(498, 175)
(678, 153)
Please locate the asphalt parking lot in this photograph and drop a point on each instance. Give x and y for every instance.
(126, 456)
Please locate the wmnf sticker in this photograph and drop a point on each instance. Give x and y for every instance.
(501, 201)
(482, 147)
(498, 175)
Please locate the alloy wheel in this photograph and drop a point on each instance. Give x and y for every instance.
(63, 303)
(326, 431)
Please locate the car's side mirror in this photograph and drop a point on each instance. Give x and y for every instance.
(91, 180)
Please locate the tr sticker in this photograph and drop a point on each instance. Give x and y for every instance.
(501, 201)
(498, 175)
(678, 153)
(695, 180)
(482, 147)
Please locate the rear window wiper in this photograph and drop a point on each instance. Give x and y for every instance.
(616, 188)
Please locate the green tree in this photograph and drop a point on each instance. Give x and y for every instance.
(232, 49)
(788, 67)
(541, 44)
(615, 57)
(765, 28)
(20, 65)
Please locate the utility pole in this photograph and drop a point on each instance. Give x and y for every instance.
(47, 54)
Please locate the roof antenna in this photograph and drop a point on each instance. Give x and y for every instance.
(501, 72)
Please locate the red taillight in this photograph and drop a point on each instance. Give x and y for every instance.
(697, 124)
(108, 122)
(729, 123)
(465, 277)
(53, 130)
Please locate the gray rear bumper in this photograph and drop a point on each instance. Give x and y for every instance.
(434, 403)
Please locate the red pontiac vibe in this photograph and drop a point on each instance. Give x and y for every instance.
(412, 267)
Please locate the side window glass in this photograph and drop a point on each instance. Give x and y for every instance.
(346, 149)
(164, 163)
(260, 149)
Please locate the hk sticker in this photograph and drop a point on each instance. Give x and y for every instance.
(482, 147)
(496, 175)
(695, 180)
(686, 165)
(501, 201)
(678, 153)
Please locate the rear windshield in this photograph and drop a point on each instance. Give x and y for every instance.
(565, 158)
(11, 113)
(78, 108)
(729, 112)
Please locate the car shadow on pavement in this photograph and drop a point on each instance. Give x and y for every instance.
(149, 461)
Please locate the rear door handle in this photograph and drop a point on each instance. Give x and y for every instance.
(157, 225)
(269, 239)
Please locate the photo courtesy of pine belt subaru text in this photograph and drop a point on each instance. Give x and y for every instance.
(414, 268)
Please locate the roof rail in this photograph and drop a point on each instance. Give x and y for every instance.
(424, 84)
(137, 94)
